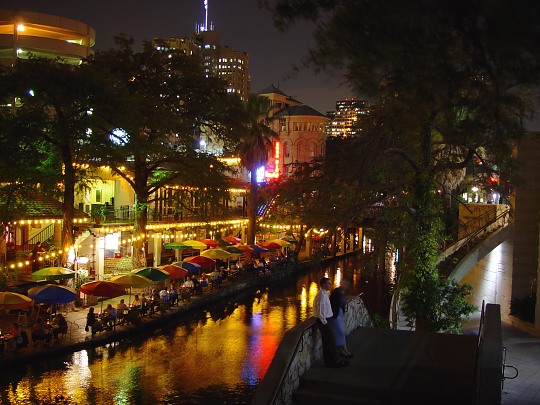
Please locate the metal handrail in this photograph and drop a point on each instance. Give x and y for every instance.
(480, 230)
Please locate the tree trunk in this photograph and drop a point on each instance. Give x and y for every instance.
(69, 202)
(140, 210)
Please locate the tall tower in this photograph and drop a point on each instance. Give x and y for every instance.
(222, 61)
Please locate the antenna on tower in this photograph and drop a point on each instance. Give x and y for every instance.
(206, 15)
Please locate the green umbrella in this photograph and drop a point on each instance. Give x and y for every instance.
(53, 273)
(177, 245)
(233, 250)
(151, 273)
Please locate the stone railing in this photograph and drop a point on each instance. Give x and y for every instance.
(299, 349)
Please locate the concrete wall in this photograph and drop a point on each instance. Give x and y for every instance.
(300, 348)
(526, 203)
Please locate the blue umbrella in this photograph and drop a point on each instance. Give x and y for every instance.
(192, 268)
(258, 249)
(52, 294)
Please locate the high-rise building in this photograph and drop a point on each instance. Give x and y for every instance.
(343, 121)
(25, 33)
(218, 60)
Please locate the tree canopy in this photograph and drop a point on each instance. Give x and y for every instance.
(448, 85)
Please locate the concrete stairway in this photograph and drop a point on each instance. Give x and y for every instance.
(395, 367)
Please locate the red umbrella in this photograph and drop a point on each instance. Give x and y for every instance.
(232, 239)
(204, 262)
(269, 245)
(244, 248)
(102, 288)
(209, 242)
(174, 271)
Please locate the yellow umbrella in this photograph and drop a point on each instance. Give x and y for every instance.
(11, 300)
(194, 244)
(281, 242)
(216, 254)
(131, 280)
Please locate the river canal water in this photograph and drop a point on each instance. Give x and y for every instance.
(215, 357)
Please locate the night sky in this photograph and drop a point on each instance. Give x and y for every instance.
(240, 24)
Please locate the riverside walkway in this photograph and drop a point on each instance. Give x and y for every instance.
(78, 339)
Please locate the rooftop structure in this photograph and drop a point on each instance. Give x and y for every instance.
(25, 33)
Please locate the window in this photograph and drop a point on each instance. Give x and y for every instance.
(286, 149)
(98, 195)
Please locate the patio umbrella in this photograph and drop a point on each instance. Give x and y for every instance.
(194, 244)
(176, 245)
(244, 248)
(131, 280)
(209, 242)
(216, 254)
(270, 245)
(102, 289)
(233, 250)
(232, 239)
(53, 273)
(11, 300)
(281, 242)
(52, 294)
(258, 249)
(192, 268)
(174, 272)
(203, 261)
(151, 273)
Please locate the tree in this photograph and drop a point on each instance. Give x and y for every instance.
(49, 127)
(146, 124)
(449, 84)
(257, 141)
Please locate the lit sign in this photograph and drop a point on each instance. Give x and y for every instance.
(273, 169)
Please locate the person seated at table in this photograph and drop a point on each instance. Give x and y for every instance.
(41, 331)
(144, 304)
(121, 309)
(197, 288)
(164, 295)
(189, 284)
(137, 303)
(110, 316)
(204, 280)
(16, 341)
(215, 277)
(59, 326)
(173, 294)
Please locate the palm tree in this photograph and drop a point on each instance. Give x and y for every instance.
(255, 144)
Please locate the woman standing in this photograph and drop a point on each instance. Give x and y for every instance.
(338, 301)
(90, 321)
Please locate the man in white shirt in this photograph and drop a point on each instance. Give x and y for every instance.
(322, 310)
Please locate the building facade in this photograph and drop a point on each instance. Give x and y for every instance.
(301, 133)
(344, 119)
(25, 33)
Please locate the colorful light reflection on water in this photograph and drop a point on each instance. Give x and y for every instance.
(215, 357)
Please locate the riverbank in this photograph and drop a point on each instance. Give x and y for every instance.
(78, 339)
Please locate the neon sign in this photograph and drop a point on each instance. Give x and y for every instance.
(273, 168)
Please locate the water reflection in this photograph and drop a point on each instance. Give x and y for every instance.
(216, 356)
